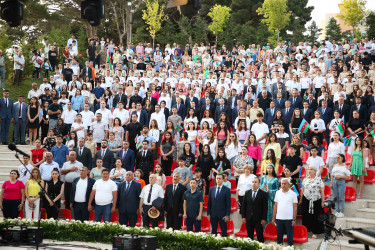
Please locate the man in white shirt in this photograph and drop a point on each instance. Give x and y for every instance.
(79, 127)
(46, 167)
(44, 85)
(34, 92)
(150, 193)
(69, 115)
(24, 174)
(106, 113)
(19, 64)
(99, 129)
(260, 130)
(316, 161)
(105, 193)
(285, 212)
(159, 117)
(88, 116)
(122, 114)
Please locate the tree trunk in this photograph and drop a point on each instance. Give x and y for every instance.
(127, 10)
(278, 35)
(117, 23)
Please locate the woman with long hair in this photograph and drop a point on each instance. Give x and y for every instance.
(315, 141)
(254, 151)
(277, 120)
(160, 176)
(190, 117)
(270, 157)
(222, 134)
(295, 122)
(242, 132)
(244, 183)
(33, 112)
(358, 165)
(335, 147)
(202, 134)
(221, 160)
(273, 143)
(155, 133)
(96, 173)
(206, 163)
(166, 151)
(50, 140)
(241, 117)
(117, 129)
(37, 154)
(370, 126)
(339, 174)
(270, 183)
(44, 122)
(32, 189)
(299, 146)
(55, 190)
(317, 126)
(181, 143)
(12, 196)
(242, 160)
(73, 141)
(192, 135)
(189, 156)
(211, 142)
(77, 100)
(207, 117)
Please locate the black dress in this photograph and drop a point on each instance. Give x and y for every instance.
(33, 113)
(53, 191)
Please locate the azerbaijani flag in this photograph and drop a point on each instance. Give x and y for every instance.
(341, 126)
(67, 137)
(264, 187)
(109, 59)
(220, 168)
(372, 132)
(137, 143)
(135, 178)
(179, 127)
(326, 179)
(314, 91)
(347, 140)
(295, 190)
(304, 126)
(299, 183)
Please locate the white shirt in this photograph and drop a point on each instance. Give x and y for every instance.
(20, 60)
(24, 174)
(259, 130)
(244, 183)
(232, 150)
(81, 188)
(69, 116)
(340, 170)
(157, 191)
(122, 114)
(104, 189)
(106, 115)
(80, 133)
(45, 85)
(335, 149)
(319, 81)
(317, 162)
(87, 117)
(46, 170)
(285, 204)
(160, 118)
(33, 93)
(305, 82)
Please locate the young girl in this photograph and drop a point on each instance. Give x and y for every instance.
(242, 132)
(160, 176)
(339, 174)
(192, 136)
(201, 183)
(72, 143)
(315, 141)
(222, 134)
(211, 142)
(255, 152)
(138, 174)
(358, 165)
(269, 159)
(272, 143)
(366, 151)
(202, 134)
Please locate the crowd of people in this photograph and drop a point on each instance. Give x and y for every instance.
(111, 135)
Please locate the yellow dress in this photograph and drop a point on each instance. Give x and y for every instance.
(276, 147)
(265, 163)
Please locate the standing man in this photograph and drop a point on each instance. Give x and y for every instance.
(193, 207)
(47, 167)
(60, 152)
(132, 130)
(81, 190)
(99, 129)
(150, 193)
(54, 112)
(19, 119)
(285, 212)
(6, 114)
(84, 154)
(105, 193)
(128, 200)
(145, 160)
(173, 203)
(2, 70)
(71, 170)
(254, 210)
(106, 155)
(218, 207)
(128, 156)
(19, 64)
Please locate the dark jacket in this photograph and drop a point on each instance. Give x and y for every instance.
(219, 206)
(90, 184)
(128, 202)
(174, 203)
(256, 209)
(85, 158)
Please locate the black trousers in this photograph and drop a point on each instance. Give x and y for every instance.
(17, 77)
(254, 224)
(128, 219)
(51, 210)
(223, 226)
(167, 165)
(81, 211)
(67, 190)
(10, 208)
(147, 219)
(174, 221)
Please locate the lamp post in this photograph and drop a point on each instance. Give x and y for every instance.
(130, 19)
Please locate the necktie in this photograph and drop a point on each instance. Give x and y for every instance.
(324, 110)
(127, 187)
(304, 112)
(149, 195)
(6, 102)
(254, 194)
(174, 189)
(340, 107)
(19, 111)
(217, 192)
(80, 151)
(120, 97)
(358, 107)
(287, 110)
(294, 100)
(178, 106)
(144, 153)
(222, 108)
(272, 112)
(309, 101)
(124, 154)
(103, 152)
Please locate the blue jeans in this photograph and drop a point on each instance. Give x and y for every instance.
(103, 211)
(5, 124)
(190, 221)
(2, 75)
(338, 187)
(284, 226)
(19, 131)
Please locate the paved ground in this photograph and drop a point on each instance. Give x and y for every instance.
(76, 245)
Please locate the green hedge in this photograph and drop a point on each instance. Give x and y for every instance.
(167, 239)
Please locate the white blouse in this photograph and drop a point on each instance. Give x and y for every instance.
(335, 148)
(244, 184)
(317, 124)
(232, 151)
(155, 133)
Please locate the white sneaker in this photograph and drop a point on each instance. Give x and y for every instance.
(340, 215)
(337, 214)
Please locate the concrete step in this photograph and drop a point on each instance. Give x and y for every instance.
(343, 243)
(368, 213)
(25, 148)
(371, 204)
(350, 222)
(9, 162)
(4, 177)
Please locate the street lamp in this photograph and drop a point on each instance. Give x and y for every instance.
(130, 19)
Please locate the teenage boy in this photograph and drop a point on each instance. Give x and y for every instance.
(316, 161)
(294, 161)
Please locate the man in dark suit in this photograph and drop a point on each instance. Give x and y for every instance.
(86, 71)
(83, 154)
(173, 202)
(326, 114)
(82, 105)
(279, 101)
(120, 97)
(313, 104)
(135, 98)
(202, 102)
(128, 156)
(232, 100)
(207, 106)
(218, 98)
(191, 98)
(145, 161)
(221, 108)
(80, 195)
(327, 99)
(343, 108)
(181, 109)
(254, 210)
(152, 99)
(128, 200)
(270, 114)
(306, 113)
(361, 108)
(287, 114)
(6, 114)
(174, 99)
(296, 102)
(218, 206)
(142, 114)
(106, 155)
(234, 112)
(278, 87)
(19, 119)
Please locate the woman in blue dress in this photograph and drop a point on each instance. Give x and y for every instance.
(270, 184)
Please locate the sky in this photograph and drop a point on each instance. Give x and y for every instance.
(323, 7)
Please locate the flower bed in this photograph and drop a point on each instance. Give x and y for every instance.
(167, 239)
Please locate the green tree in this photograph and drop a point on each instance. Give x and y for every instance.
(370, 23)
(276, 15)
(219, 15)
(353, 12)
(314, 32)
(154, 16)
(333, 30)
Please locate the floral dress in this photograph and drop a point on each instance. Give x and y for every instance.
(240, 162)
(270, 186)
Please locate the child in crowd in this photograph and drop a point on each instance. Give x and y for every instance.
(138, 175)
(226, 181)
(316, 160)
(201, 183)
(183, 170)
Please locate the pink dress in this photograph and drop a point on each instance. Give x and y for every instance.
(156, 95)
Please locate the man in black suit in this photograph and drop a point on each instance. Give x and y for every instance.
(135, 98)
(152, 99)
(295, 101)
(361, 108)
(279, 101)
(327, 99)
(343, 108)
(128, 200)
(145, 161)
(270, 114)
(313, 105)
(191, 98)
(86, 71)
(174, 99)
(202, 102)
(306, 113)
(142, 114)
(128, 156)
(278, 87)
(120, 97)
(83, 154)
(221, 108)
(232, 100)
(173, 202)
(287, 114)
(208, 106)
(254, 210)
(106, 155)
(80, 195)
(218, 206)
(218, 98)
(181, 109)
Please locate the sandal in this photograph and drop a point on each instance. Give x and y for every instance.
(359, 196)
(314, 236)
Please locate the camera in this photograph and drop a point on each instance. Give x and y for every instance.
(329, 219)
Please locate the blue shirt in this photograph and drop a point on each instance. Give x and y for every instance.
(99, 92)
(148, 138)
(59, 154)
